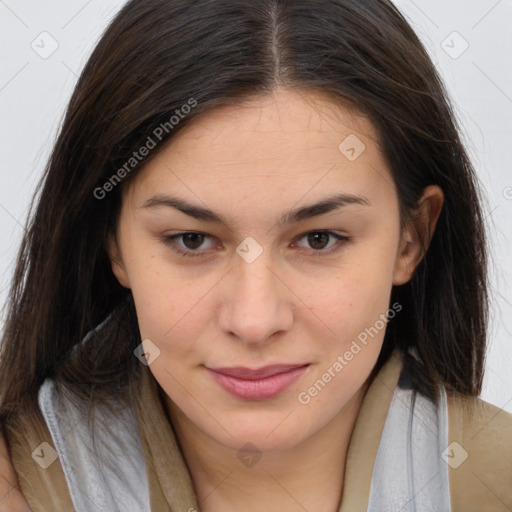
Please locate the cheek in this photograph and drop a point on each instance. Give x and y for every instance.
(354, 295)
(172, 306)
(169, 310)
(355, 308)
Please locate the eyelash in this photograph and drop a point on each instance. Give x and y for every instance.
(171, 241)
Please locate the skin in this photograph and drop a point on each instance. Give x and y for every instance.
(251, 163)
(11, 498)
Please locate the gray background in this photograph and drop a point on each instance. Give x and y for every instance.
(44, 45)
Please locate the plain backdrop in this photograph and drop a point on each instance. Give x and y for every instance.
(44, 46)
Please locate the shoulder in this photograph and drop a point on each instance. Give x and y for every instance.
(480, 426)
(479, 454)
(35, 460)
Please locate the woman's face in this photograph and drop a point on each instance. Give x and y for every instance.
(265, 281)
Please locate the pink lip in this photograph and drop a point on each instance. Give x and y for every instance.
(258, 384)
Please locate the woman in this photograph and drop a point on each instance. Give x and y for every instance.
(255, 277)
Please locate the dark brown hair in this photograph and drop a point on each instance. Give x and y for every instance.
(153, 58)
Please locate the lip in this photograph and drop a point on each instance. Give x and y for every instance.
(260, 383)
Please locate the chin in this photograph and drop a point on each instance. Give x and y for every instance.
(259, 441)
(265, 434)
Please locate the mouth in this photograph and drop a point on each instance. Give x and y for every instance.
(257, 384)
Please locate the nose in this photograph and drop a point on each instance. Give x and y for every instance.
(256, 303)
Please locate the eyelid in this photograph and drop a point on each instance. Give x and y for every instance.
(170, 240)
(340, 242)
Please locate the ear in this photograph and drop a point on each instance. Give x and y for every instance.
(418, 234)
(116, 261)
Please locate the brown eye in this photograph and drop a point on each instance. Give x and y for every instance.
(318, 240)
(188, 243)
(192, 240)
(322, 243)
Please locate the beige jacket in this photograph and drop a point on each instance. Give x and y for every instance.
(483, 483)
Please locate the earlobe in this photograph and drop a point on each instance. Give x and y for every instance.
(116, 261)
(418, 234)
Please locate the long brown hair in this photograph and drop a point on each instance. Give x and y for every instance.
(157, 55)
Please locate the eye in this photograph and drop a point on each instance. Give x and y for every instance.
(188, 243)
(319, 241)
(191, 241)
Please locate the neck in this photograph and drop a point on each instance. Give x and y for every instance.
(309, 476)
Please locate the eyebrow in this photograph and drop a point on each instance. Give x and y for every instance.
(322, 207)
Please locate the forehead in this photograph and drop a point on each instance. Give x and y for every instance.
(290, 141)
